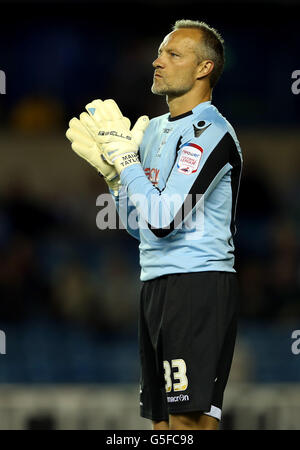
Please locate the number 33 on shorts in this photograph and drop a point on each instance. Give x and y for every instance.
(178, 367)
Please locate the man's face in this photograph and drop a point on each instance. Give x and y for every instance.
(177, 62)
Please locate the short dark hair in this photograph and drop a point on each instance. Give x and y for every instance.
(212, 46)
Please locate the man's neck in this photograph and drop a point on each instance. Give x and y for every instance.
(185, 103)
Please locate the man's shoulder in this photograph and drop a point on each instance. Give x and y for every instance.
(210, 121)
(155, 124)
(158, 119)
(213, 116)
(153, 131)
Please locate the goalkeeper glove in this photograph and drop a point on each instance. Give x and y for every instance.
(85, 146)
(119, 145)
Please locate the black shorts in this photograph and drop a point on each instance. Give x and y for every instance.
(187, 333)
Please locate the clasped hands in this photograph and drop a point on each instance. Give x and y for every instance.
(102, 136)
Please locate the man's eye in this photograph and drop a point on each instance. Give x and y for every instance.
(174, 54)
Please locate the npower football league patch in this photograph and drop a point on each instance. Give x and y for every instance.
(189, 158)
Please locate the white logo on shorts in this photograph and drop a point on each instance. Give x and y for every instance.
(178, 398)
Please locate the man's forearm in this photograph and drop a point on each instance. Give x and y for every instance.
(127, 213)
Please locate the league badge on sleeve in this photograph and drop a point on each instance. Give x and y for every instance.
(189, 158)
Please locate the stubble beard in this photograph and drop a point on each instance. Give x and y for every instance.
(169, 90)
(158, 90)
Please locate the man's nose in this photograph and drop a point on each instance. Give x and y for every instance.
(157, 63)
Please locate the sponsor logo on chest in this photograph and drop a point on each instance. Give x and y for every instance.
(152, 175)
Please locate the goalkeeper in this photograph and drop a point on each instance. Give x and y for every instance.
(180, 173)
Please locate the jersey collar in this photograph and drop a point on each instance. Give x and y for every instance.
(196, 110)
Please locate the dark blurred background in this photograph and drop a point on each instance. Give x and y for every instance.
(69, 291)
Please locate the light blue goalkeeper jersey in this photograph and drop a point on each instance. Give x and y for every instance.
(180, 202)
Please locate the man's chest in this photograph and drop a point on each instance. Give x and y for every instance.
(160, 153)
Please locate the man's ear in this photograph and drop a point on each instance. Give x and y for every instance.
(204, 68)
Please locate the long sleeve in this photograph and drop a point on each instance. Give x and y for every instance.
(127, 213)
(201, 162)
